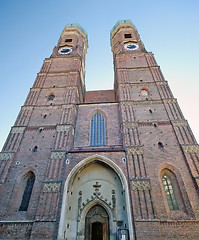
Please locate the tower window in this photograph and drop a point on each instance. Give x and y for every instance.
(35, 149)
(160, 145)
(27, 192)
(127, 35)
(144, 92)
(51, 97)
(169, 191)
(97, 130)
(68, 40)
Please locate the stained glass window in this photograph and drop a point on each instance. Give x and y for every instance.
(97, 130)
(169, 191)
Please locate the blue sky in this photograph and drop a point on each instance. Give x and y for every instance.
(30, 29)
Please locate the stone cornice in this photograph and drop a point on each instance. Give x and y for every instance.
(53, 88)
(170, 100)
(134, 124)
(27, 108)
(149, 102)
(43, 127)
(130, 124)
(57, 73)
(180, 222)
(178, 123)
(17, 129)
(48, 107)
(63, 128)
(135, 53)
(62, 58)
(170, 222)
(135, 68)
(143, 83)
(101, 104)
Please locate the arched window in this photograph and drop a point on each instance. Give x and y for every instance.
(30, 179)
(51, 97)
(168, 185)
(97, 130)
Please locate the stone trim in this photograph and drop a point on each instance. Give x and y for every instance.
(49, 107)
(192, 148)
(170, 100)
(27, 108)
(6, 155)
(140, 184)
(50, 187)
(178, 123)
(147, 102)
(143, 83)
(43, 127)
(58, 73)
(135, 68)
(17, 129)
(58, 155)
(152, 122)
(131, 124)
(35, 89)
(63, 128)
(136, 150)
(180, 222)
(67, 106)
(163, 82)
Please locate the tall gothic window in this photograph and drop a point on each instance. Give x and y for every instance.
(27, 192)
(170, 192)
(97, 130)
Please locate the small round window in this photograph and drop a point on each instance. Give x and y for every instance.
(144, 92)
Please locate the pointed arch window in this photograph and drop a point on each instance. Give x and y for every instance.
(170, 192)
(97, 130)
(30, 179)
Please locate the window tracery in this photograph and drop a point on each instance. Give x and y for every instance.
(97, 130)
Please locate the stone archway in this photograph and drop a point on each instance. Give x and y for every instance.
(97, 224)
(96, 180)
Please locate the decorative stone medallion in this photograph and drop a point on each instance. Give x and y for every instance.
(140, 184)
(6, 155)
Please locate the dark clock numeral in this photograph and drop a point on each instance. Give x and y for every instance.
(65, 50)
(131, 46)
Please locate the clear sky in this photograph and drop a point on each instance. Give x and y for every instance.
(30, 29)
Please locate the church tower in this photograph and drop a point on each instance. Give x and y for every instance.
(117, 164)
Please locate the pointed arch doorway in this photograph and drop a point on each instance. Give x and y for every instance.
(97, 224)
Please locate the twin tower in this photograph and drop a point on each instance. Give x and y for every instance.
(117, 164)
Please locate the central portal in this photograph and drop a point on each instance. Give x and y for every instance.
(97, 224)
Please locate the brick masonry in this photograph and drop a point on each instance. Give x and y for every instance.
(146, 135)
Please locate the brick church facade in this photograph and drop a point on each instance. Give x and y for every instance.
(117, 164)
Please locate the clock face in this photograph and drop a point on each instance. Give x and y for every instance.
(131, 46)
(65, 50)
